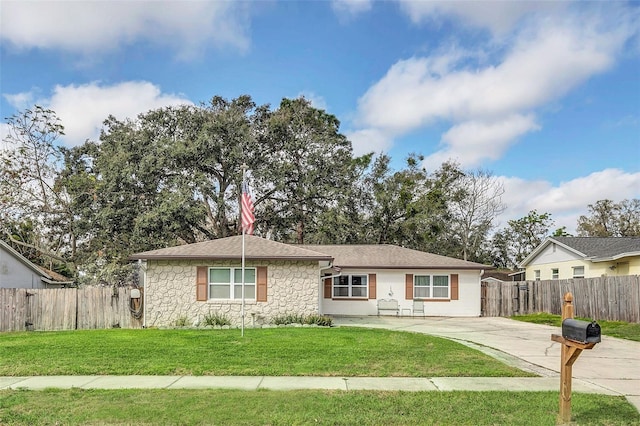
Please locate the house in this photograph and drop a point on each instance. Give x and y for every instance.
(583, 257)
(496, 276)
(16, 271)
(195, 280)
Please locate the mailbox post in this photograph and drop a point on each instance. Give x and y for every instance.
(576, 337)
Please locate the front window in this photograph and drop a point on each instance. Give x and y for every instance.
(536, 274)
(354, 286)
(226, 283)
(554, 274)
(431, 287)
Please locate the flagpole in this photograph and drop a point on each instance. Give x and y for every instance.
(244, 169)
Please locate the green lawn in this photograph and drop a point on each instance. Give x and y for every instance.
(620, 329)
(281, 351)
(236, 407)
(271, 352)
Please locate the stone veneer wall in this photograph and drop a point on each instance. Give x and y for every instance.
(170, 287)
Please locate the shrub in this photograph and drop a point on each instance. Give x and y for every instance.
(302, 319)
(288, 319)
(182, 321)
(318, 320)
(216, 319)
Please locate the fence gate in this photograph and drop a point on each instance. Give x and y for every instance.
(483, 299)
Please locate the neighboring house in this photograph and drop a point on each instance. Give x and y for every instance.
(16, 271)
(518, 275)
(583, 257)
(496, 276)
(196, 280)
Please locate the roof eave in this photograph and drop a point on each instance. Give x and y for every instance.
(470, 268)
(615, 256)
(53, 282)
(230, 257)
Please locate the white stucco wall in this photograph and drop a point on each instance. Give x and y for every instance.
(390, 284)
(170, 293)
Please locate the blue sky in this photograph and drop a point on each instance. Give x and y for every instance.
(546, 95)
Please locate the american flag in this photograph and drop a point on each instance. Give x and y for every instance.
(247, 210)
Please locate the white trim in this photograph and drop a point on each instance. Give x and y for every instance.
(536, 251)
(432, 286)
(614, 257)
(232, 282)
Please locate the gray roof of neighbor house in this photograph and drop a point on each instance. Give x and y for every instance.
(595, 249)
(598, 247)
(386, 256)
(500, 275)
(256, 248)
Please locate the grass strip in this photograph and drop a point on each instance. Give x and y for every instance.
(236, 407)
(620, 329)
(270, 352)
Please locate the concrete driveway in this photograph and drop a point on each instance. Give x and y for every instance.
(613, 365)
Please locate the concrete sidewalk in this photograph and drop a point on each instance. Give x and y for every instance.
(612, 366)
(296, 383)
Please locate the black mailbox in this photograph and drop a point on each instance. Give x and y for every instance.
(581, 331)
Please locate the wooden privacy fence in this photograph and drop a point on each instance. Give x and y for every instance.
(603, 298)
(67, 309)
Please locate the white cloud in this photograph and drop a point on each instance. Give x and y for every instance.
(496, 101)
(499, 17)
(4, 133)
(99, 26)
(369, 140)
(568, 200)
(83, 108)
(317, 101)
(346, 9)
(20, 101)
(471, 142)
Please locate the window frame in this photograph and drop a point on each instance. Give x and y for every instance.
(555, 273)
(536, 275)
(232, 283)
(349, 286)
(431, 286)
(574, 268)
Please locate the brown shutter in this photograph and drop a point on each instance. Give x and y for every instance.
(408, 287)
(327, 288)
(454, 286)
(201, 283)
(372, 286)
(261, 284)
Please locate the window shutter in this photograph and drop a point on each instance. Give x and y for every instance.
(372, 286)
(454, 286)
(261, 284)
(327, 288)
(201, 283)
(408, 287)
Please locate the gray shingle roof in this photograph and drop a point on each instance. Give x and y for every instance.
(231, 248)
(345, 256)
(385, 256)
(600, 247)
